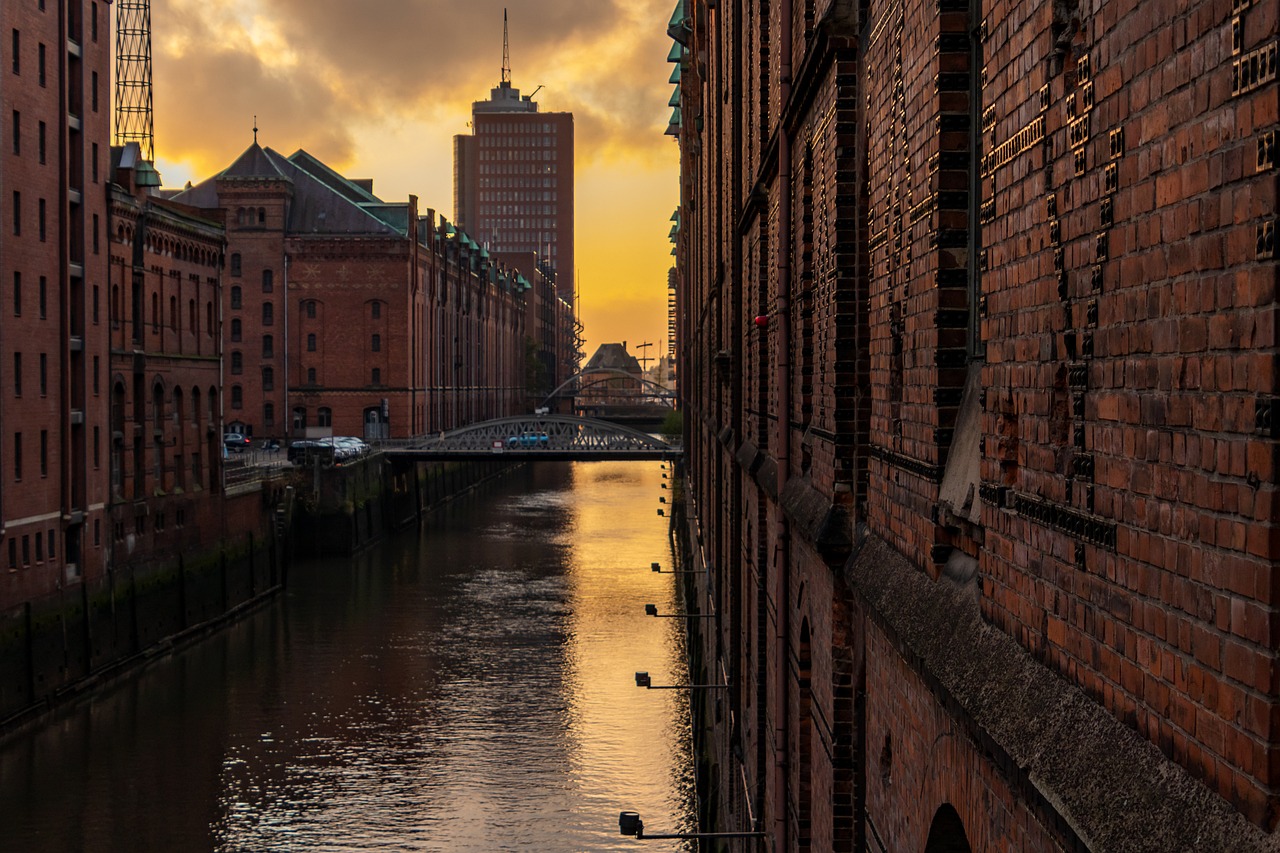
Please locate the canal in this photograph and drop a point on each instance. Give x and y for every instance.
(468, 687)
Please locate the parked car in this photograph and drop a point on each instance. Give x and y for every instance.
(305, 450)
(235, 442)
(528, 439)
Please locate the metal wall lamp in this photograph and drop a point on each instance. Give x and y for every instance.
(658, 568)
(642, 680)
(652, 610)
(630, 824)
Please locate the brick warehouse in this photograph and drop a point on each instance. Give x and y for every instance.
(357, 316)
(977, 309)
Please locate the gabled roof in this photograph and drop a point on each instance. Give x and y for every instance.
(615, 357)
(253, 163)
(322, 201)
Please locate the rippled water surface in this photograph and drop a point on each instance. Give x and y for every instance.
(469, 688)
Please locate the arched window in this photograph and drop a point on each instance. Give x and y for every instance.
(155, 311)
(268, 281)
(235, 296)
(946, 833)
(310, 308)
(173, 312)
(235, 263)
(237, 362)
(268, 379)
(237, 397)
(262, 215)
(375, 310)
(268, 346)
(208, 318)
(376, 343)
(311, 342)
(191, 315)
(299, 419)
(377, 376)
(268, 314)
(235, 329)
(324, 417)
(311, 376)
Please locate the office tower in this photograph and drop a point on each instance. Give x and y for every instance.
(513, 178)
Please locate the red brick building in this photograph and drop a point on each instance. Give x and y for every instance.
(54, 120)
(977, 313)
(348, 315)
(165, 369)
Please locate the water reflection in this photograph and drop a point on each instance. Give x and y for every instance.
(467, 689)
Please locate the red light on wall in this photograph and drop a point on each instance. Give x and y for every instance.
(762, 321)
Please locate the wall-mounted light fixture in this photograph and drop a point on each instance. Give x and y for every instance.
(630, 824)
(659, 570)
(652, 610)
(642, 680)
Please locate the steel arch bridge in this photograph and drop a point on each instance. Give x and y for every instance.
(645, 388)
(547, 437)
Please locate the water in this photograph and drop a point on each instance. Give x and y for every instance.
(467, 689)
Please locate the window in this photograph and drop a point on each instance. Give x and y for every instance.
(268, 347)
(40, 217)
(262, 215)
(268, 379)
(39, 548)
(44, 375)
(97, 447)
(95, 234)
(17, 456)
(376, 309)
(237, 361)
(94, 93)
(16, 127)
(17, 212)
(44, 453)
(377, 376)
(268, 314)
(17, 374)
(95, 300)
(93, 162)
(93, 22)
(235, 330)
(324, 417)
(268, 281)
(17, 294)
(40, 75)
(237, 397)
(235, 263)
(269, 414)
(311, 342)
(235, 296)
(311, 376)
(44, 297)
(97, 369)
(299, 418)
(26, 550)
(17, 41)
(310, 308)
(376, 343)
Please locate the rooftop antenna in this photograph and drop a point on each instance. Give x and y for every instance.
(134, 121)
(255, 130)
(506, 53)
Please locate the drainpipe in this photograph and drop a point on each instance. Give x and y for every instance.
(782, 316)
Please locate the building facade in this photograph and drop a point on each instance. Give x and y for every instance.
(513, 181)
(975, 318)
(349, 315)
(54, 160)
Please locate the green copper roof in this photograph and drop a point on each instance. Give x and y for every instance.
(678, 16)
(674, 100)
(675, 74)
(675, 117)
(677, 51)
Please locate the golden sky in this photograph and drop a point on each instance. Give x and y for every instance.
(378, 88)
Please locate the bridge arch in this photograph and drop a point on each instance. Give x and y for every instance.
(658, 390)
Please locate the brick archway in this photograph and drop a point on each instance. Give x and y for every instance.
(946, 833)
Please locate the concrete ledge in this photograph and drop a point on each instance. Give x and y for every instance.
(1111, 788)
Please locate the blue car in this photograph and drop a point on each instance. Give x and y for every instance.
(527, 440)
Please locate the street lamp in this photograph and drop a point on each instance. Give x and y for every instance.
(630, 824)
(642, 680)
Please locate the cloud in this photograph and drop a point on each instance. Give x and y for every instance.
(315, 71)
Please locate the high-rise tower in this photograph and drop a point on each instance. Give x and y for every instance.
(513, 177)
(134, 122)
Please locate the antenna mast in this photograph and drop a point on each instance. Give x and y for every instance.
(134, 121)
(506, 54)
